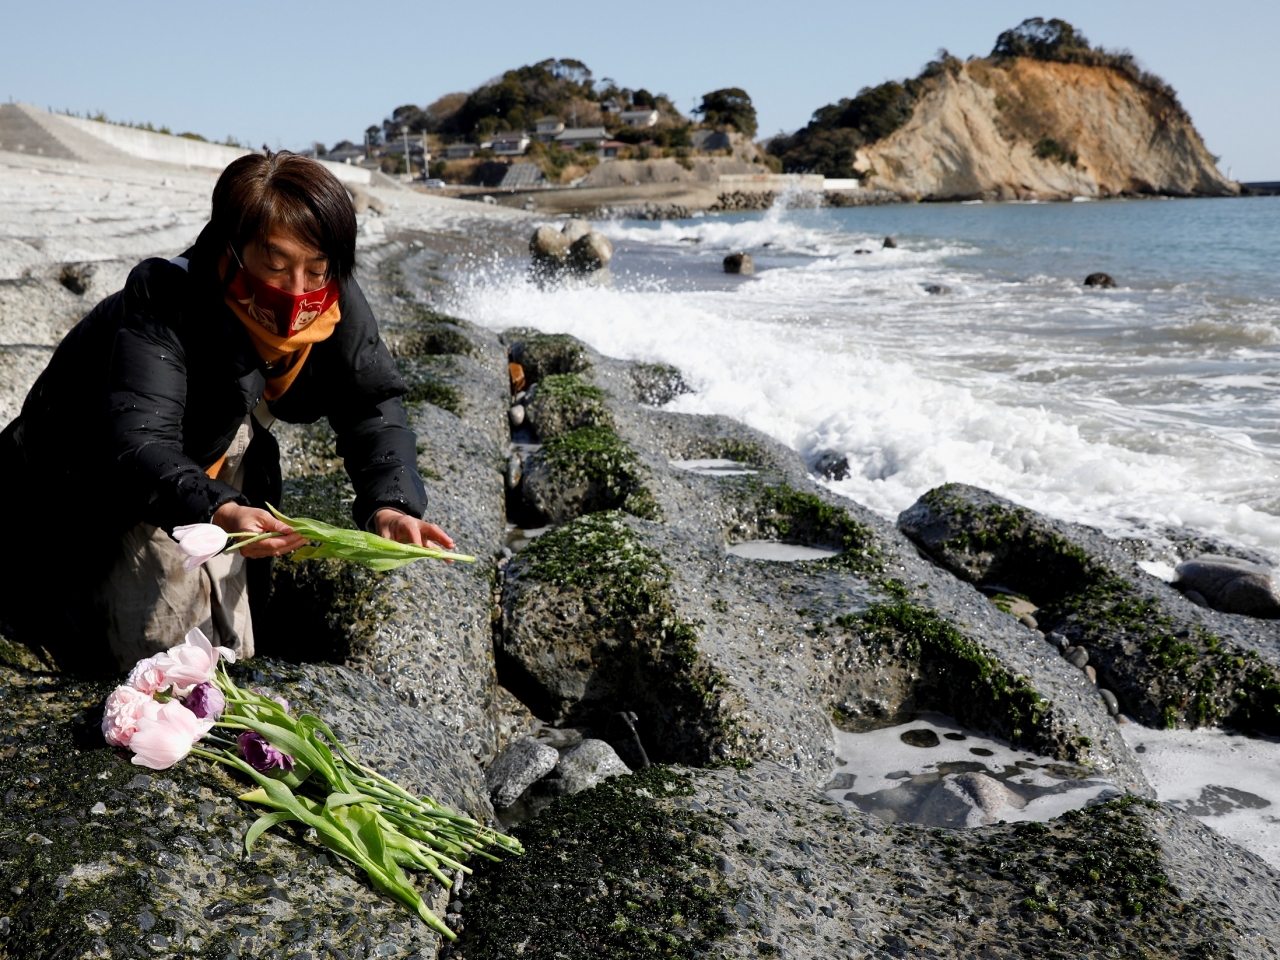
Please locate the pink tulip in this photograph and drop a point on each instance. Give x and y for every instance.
(193, 662)
(163, 740)
(148, 676)
(200, 542)
(125, 708)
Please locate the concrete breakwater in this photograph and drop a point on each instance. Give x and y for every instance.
(735, 670)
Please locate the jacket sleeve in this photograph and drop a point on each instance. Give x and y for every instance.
(147, 396)
(378, 448)
(381, 455)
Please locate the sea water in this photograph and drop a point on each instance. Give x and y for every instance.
(972, 352)
(1150, 406)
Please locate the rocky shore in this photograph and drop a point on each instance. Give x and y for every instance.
(608, 627)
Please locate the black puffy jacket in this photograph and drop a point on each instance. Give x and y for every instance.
(149, 389)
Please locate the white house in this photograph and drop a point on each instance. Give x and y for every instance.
(548, 128)
(582, 136)
(639, 118)
(510, 144)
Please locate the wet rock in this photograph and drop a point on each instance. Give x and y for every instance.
(520, 763)
(657, 384)
(1109, 698)
(890, 243)
(591, 252)
(1196, 597)
(575, 229)
(515, 471)
(740, 263)
(1168, 661)
(920, 738)
(937, 289)
(1099, 280)
(831, 465)
(1027, 620)
(550, 245)
(758, 863)
(583, 766)
(542, 354)
(968, 800)
(161, 854)
(567, 402)
(1058, 640)
(584, 471)
(1076, 656)
(1230, 585)
(516, 416)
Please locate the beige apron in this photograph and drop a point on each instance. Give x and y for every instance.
(149, 602)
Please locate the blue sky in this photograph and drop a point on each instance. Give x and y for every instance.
(287, 74)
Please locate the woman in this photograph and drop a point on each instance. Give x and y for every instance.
(155, 412)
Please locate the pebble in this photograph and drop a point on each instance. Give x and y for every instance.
(1091, 673)
(1058, 640)
(1076, 656)
(1113, 705)
(1027, 620)
(515, 471)
(517, 416)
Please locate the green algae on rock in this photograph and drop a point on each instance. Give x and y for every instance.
(585, 471)
(564, 402)
(612, 873)
(425, 378)
(544, 354)
(1168, 662)
(588, 629)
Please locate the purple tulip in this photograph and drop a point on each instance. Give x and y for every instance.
(261, 755)
(206, 701)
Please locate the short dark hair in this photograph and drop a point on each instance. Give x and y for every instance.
(262, 192)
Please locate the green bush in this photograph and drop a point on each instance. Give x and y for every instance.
(729, 106)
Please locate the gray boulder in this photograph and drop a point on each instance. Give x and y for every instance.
(583, 766)
(576, 229)
(1103, 280)
(968, 800)
(591, 252)
(521, 762)
(549, 245)
(1230, 585)
(740, 263)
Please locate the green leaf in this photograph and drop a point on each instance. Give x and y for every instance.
(263, 823)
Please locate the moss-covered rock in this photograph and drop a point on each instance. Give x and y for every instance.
(1168, 662)
(102, 858)
(657, 384)
(588, 629)
(433, 338)
(544, 354)
(427, 378)
(564, 402)
(799, 877)
(585, 471)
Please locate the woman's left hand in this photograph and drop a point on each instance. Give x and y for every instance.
(403, 528)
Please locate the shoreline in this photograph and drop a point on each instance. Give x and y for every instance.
(735, 668)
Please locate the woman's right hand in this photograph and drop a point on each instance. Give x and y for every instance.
(234, 518)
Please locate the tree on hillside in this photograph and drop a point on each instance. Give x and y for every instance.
(519, 97)
(730, 106)
(1040, 39)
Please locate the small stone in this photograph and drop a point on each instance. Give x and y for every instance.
(831, 465)
(520, 763)
(515, 471)
(516, 416)
(1099, 280)
(1027, 620)
(1076, 656)
(585, 765)
(76, 277)
(920, 738)
(1230, 585)
(1091, 673)
(1113, 705)
(740, 263)
(1059, 640)
(98, 809)
(456, 906)
(936, 289)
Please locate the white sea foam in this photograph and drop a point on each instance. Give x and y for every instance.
(1081, 404)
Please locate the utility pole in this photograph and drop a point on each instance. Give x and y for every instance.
(408, 165)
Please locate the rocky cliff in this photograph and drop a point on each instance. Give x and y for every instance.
(1026, 129)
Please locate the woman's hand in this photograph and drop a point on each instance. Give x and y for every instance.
(234, 518)
(403, 528)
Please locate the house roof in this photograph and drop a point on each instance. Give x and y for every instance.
(584, 133)
(548, 119)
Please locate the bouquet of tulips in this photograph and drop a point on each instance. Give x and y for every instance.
(203, 541)
(183, 697)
